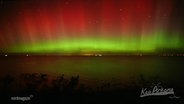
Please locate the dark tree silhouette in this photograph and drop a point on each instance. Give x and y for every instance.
(58, 83)
(72, 85)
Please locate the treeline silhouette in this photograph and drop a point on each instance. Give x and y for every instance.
(46, 90)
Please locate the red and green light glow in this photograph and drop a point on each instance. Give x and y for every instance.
(74, 26)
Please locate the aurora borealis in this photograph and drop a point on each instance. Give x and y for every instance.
(91, 51)
(84, 26)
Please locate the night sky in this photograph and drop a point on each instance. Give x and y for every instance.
(88, 26)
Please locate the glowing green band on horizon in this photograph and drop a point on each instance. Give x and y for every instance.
(146, 43)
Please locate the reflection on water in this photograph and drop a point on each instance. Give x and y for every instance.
(105, 68)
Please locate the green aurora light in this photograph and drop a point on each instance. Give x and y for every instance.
(150, 43)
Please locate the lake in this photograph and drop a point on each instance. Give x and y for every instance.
(93, 69)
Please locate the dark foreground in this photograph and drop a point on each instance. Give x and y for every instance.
(96, 80)
(36, 88)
